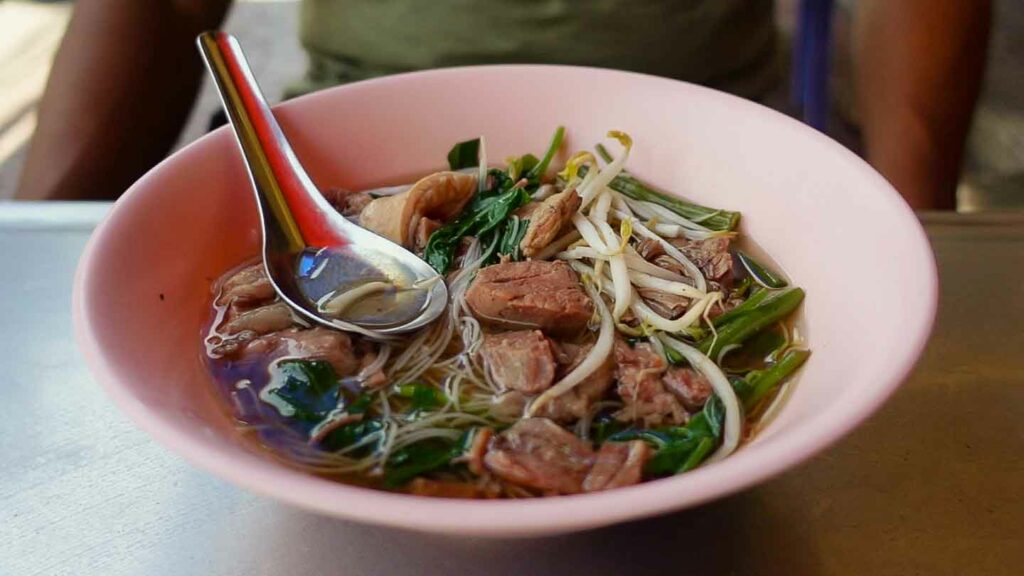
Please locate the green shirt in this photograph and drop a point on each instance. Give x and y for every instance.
(725, 44)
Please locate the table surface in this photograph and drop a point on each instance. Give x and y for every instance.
(932, 484)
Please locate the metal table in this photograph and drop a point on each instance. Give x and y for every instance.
(933, 484)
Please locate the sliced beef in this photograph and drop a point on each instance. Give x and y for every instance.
(691, 387)
(575, 403)
(521, 360)
(540, 454)
(548, 220)
(639, 372)
(649, 249)
(450, 489)
(617, 464)
(247, 287)
(262, 320)
(530, 294)
(509, 406)
(348, 203)
(711, 256)
(667, 305)
(314, 344)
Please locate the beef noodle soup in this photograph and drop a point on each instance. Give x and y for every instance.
(599, 333)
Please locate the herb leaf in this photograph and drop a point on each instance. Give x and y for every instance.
(349, 434)
(423, 396)
(464, 155)
(415, 459)
(488, 210)
(306, 390)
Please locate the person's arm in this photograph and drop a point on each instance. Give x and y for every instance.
(122, 85)
(919, 66)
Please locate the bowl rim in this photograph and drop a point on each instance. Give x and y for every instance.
(541, 516)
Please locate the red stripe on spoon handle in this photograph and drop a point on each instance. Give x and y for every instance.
(282, 185)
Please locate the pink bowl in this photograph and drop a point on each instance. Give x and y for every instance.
(142, 288)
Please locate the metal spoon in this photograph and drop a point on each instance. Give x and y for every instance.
(311, 252)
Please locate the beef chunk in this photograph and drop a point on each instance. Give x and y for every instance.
(617, 464)
(248, 287)
(575, 403)
(667, 305)
(530, 294)
(639, 371)
(540, 454)
(509, 406)
(711, 256)
(262, 320)
(348, 203)
(314, 344)
(548, 220)
(520, 360)
(691, 387)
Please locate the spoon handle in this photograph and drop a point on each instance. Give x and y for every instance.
(291, 206)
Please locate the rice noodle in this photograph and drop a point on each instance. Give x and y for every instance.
(733, 416)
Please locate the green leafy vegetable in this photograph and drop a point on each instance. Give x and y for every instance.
(769, 310)
(759, 273)
(604, 426)
(628, 185)
(306, 390)
(755, 299)
(538, 170)
(758, 351)
(521, 166)
(680, 448)
(758, 384)
(510, 234)
(488, 211)
(464, 155)
(674, 357)
(419, 458)
(350, 434)
(423, 396)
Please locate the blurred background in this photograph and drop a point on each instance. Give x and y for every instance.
(993, 175)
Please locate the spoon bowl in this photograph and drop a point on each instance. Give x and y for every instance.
(327, 269)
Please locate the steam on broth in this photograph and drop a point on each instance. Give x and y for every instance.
(598, 334)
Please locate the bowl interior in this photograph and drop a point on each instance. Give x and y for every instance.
(833, 224)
